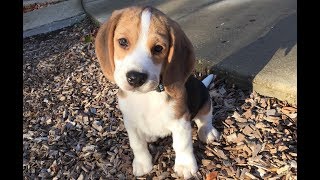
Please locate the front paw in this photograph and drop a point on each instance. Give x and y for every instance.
(186, 166)
(141, 167)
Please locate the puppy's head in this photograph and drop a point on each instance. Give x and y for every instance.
(139, 47)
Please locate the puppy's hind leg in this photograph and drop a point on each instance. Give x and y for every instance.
(206, 132)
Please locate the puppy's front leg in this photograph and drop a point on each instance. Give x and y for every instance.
(185, 162)
(142, 162)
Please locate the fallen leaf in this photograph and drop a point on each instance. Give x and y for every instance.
(220, 153)
(256, 148)
(240, 138)
(293, 115)
(288, 110)
(229, 121)
(282, 148)
(243, 172)
(231, 138)
(271, 112)
(272, 119)
(212, 176)
(248, 150)
(247, 114)
(238, 118)
(263, 102)
(206, 162)
(283, 169)
(250, 175)
(261, 172)
(247, 130)
(222, 91)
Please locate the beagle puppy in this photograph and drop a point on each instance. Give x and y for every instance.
(150, 58)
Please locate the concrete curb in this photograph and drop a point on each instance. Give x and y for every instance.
(53, 17)
(53, 26)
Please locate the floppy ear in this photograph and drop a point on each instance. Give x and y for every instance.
(104, 45)
(180, 61)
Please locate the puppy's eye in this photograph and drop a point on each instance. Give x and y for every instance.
(157, 49)
(123, 42)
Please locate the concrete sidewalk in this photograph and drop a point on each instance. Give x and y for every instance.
(52, 17)
(253, 42)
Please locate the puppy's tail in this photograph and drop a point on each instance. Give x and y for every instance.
(206, 81)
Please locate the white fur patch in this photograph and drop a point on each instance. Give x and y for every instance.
(145, 24)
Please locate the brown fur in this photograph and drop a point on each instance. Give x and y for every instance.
(104, 45)
(177, 56)
(205, 109)
(128, 27)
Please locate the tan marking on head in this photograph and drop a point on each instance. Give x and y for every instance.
(128, 27)
(158, 35)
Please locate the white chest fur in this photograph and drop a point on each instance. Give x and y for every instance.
(150, 114)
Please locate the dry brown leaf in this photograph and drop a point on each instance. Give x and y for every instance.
(243, 172)
(211, 166)
(273, 150)
(229, 121)
(206, 162)
(271, 112)
(248, 150)
(212, 175)
(256, 148)
(293, 115)
(263, 102)
(260, 125)
(240, 138)
(247, 114)
(283, 169)
(219, 153)
(288, 110)
(238, 118)
(250, 175)
(272, 119)
(231, 138)
(282, 148)
(247, 130)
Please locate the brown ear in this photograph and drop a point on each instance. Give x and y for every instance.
(104, 45)
(180, 61)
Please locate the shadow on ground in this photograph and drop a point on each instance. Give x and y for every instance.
(250, 60)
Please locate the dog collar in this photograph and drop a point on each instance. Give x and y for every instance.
(160, 87)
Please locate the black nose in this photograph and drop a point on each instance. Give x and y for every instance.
(135, 78)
